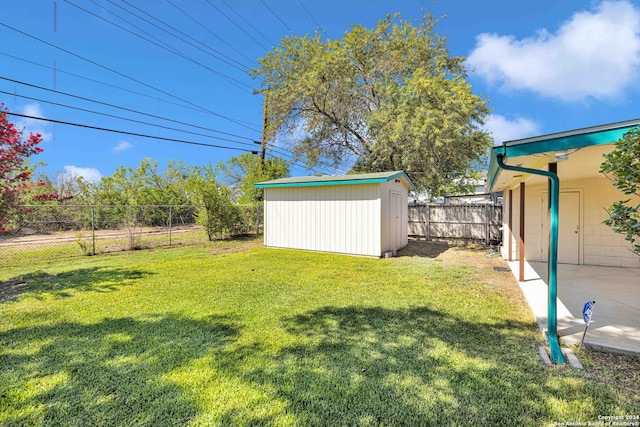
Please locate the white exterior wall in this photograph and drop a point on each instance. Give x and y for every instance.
(385, 192)
(331, 218)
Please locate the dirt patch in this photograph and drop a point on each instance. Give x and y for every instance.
(11, 288)
(236, 244)
(620, 371)
(422, 248)
(490, 267)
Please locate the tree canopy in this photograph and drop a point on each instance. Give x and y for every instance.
(386, 98)
(15, 171)
(623, 165)
(244, 171)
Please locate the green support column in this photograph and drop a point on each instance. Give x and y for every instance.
(554, 197)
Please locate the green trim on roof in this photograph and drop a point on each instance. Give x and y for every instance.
(566, 143)
(316, 181)
(599, 135)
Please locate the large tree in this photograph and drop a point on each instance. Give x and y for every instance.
(386, 98)
(623, 166)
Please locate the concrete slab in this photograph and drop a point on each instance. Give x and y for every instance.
(615, 324)
(571, 358)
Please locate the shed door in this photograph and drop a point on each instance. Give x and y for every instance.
(395, 220)
(568, 227)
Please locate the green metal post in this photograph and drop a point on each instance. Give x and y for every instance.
(554, 196)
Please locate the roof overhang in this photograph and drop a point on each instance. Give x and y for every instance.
(316, 181)
(538, 151)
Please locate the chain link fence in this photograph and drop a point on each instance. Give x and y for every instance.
(52, 231)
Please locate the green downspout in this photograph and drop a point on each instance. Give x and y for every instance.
(552, 324)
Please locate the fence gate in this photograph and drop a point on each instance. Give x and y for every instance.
(480, 223)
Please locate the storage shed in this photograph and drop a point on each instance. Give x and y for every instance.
(364, 214)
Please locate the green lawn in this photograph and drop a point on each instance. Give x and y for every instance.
(213, 335)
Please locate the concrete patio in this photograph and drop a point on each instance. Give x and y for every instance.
(615, 325)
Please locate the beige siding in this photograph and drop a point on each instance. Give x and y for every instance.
(599, 245)
(336, 218)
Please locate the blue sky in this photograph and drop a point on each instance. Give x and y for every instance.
(546, 66)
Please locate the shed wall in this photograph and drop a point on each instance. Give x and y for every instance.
(385, 232)
(336, 218)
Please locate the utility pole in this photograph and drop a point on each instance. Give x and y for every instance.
(265, 123)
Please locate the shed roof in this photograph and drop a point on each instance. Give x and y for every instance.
(578, 138)
(314, 181)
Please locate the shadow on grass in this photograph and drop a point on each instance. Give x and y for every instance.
(109, 373)
(374, 366)
(97, 279)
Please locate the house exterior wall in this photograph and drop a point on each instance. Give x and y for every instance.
(332, 218)
(515, 226)
(599, 245)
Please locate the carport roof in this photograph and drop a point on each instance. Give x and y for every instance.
(314, 181)
(573, 139)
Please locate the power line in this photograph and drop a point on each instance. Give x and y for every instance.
(123, 108)
(161, 138)
(276, 15)
(230, 79)
(309, 13)
(124, 118)
(128, 22)
(123, 75)
(247, 22)
(290, 162)
(211, 32)
(234, 23)
(244, 67)
(247, 124)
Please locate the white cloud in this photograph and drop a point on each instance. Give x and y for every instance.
(594, 54)
(33, 125)
(504, 129)
(123, 146)
(89, 174)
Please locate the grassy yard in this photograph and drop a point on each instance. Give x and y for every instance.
(232, 333)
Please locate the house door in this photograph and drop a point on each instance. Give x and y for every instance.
(568, 227)
(395, 220)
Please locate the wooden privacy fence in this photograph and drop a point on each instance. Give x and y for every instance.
(479, 223)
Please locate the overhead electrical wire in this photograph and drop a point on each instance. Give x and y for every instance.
(130, 23)
(111, 86)
(204, 27)
(230, 79)
(240, 66)
(123, 75)
(236, 24)
(247, 22)
(276, 15)
(309, 13)
(113, 116)
(95, 101)
(141, 135)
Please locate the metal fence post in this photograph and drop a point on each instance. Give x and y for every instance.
(93, 230)
(170, 218)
